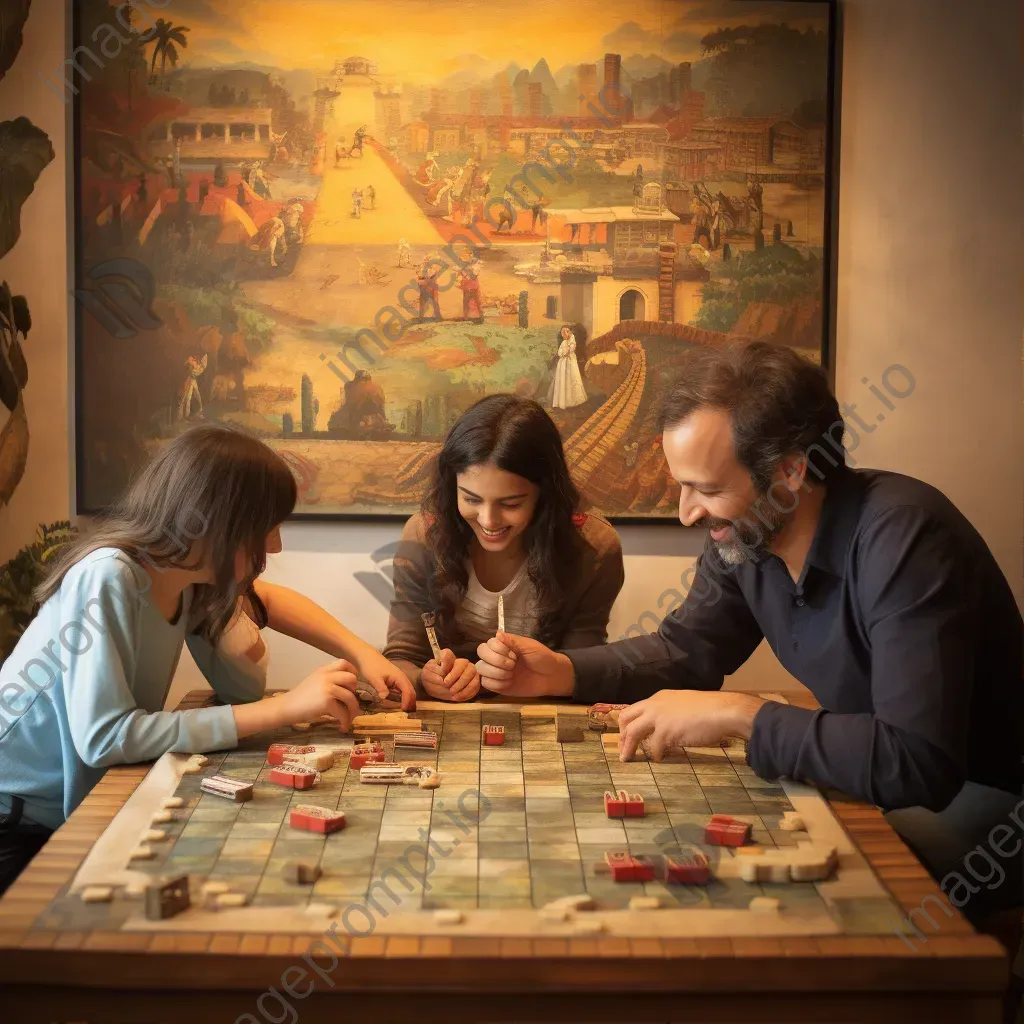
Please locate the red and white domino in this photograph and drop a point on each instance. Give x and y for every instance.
(277, 753)
(295, 776)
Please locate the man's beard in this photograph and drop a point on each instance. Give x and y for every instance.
(752, 534)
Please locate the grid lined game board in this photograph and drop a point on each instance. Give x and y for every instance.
(511, 828)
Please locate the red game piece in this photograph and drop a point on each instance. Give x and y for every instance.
(316, 819)
(494, 735)
(364, 752)
(615, 804)
(277, 752)
(723, 830)
(295, 776)
(627, 868)
(689, 867)
(635, 807)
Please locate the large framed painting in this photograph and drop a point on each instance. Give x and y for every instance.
(339, 223)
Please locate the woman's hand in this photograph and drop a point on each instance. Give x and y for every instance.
(519, 666)
(382, 675)
(330, 690)
(455, 679)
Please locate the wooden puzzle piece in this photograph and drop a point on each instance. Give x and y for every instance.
(171, 802)
(295, 776)
(425, 740)
(764, 905)
(141, 852)
(195, 764)
(428, 625)
(167, 898)
(97, 894)
(362, 753)
(644, 902)
(278, 752)
(625, 867)
(792, 822)
(386, 722)
(211, 889)
(154, 835)
(399, 774)
(230, 899)
(723, 830)
(230, 789)
(493, 735)
(604, 717)
(161, 817)
(688, 867)
(301, 872)
(319, 760)
(312, 818)
(448, 916)
(568, 728)
(805, 862)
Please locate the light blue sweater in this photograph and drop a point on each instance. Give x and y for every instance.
(85, 689)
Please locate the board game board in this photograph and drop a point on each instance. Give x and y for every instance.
(510, 830)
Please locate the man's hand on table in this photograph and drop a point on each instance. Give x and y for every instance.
(518, 666)
(685, 718)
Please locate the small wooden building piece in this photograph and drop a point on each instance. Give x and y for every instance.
(568, 728)
(425, 740)
(615, 803)
(301, 872)
(635, 806)
(97, 894)
(628, 868)
(723, 830)
(167, 898)
(493, 735)
(318, 760)
(316, 819)
(278, 752)
(364, 753)
(230, 789)
(604, 717)
(385, 723)
(401, 774)
(688, 867)
(295, 776)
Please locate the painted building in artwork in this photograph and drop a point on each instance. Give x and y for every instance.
(688, 161)
(415, 137)
(218, 133)
(388, 117)
(754, 143)
(641, 273)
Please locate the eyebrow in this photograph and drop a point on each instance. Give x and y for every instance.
(699, 485)
(507, 497)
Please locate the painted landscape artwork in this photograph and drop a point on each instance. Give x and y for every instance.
(339, 223)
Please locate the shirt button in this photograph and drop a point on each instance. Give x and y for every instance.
(796, 645)
(799, 602)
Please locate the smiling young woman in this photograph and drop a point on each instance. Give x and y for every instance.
(501, 519)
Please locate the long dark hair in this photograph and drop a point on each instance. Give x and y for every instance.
(209, 493)
(518, 436)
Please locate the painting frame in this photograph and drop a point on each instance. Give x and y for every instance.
(81, 285)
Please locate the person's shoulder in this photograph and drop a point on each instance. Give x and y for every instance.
(415, 527)
(597, 532)
(106, 567)
(895, 498)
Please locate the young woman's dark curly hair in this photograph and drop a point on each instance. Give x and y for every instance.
(518, 436)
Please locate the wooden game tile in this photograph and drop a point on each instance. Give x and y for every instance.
(769, 949)
(253, 945)
(436, 946)
(32, 890)
(476, 947)
(225, 942)
(279, 945)
(900, 871)
(799, 946)
(402, 947)
(679, 948)
(15, 920)
(121, 942)
(70, 940)
(583, 947)
(612, 947)
(855, 945)
(650, 948)
(367, 946)
(12, 938)
(963, 946)
(550, 947)
(516, 948)
(714, 947)
(39, 940)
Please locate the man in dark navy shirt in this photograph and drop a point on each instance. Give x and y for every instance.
(870, 587)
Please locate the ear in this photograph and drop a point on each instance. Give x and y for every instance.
(794, 472)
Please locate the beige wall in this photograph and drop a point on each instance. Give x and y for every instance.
(35, 268)
(930, 265)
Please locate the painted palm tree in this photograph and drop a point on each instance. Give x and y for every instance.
(164, 36)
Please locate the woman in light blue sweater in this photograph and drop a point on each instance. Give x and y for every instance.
(175, 562)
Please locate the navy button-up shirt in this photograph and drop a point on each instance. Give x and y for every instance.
(902, 626)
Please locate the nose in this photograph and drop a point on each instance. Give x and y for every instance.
(490, 519)
(690, 511)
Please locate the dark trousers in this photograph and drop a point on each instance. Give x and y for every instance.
(20, 841)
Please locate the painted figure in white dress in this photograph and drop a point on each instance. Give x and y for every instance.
(567, 389)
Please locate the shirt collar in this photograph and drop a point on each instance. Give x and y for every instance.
(840, 513)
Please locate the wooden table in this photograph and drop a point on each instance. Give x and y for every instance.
(951, 974)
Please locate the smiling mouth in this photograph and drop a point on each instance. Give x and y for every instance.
(495, 534)
(721, 533)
